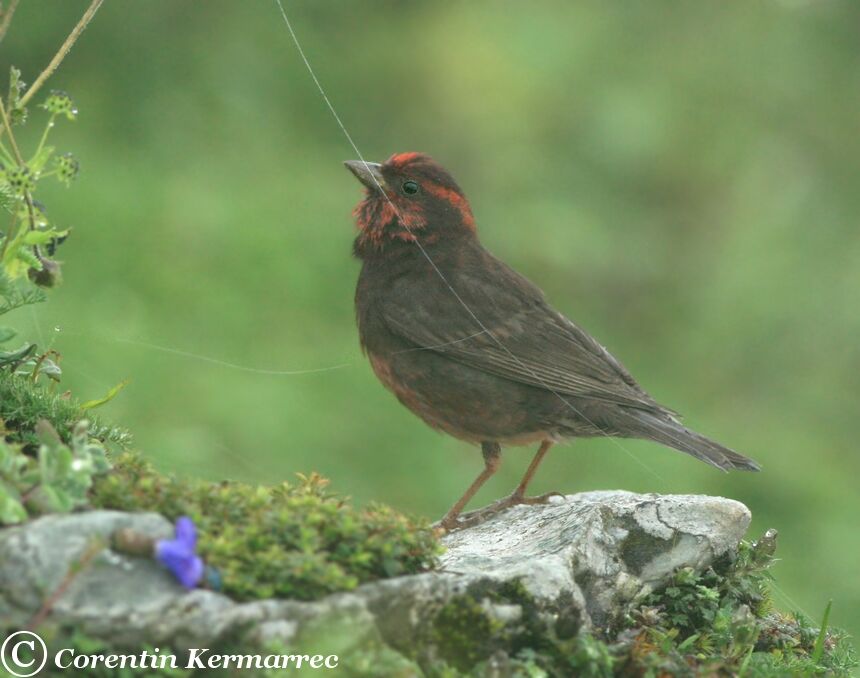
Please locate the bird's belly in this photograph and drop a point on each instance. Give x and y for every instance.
(464, 402)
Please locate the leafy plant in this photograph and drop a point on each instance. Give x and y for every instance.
(289, 540)
(29, 242)
(24, 401)
(31, 239)
(54, 480)
(721, 620)
(714, 622)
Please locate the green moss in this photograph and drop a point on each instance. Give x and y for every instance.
(300, 541)
(23, 404)
(716, 622)
(722, 620)
(83, 644)
(465, 633)
(296, 541)
(290, 540)
(537, 640)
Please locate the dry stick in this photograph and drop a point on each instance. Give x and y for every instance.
(74, 570)
(7, 18)
(64, 49)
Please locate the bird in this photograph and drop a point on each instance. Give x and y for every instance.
(474, 349)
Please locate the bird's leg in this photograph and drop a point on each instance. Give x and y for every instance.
(518, 496)
(492, 460)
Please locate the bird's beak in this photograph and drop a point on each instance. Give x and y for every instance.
(368, 173)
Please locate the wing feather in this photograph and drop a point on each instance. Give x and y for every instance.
(517, 335)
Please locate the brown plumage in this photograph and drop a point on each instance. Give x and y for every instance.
(472, 347)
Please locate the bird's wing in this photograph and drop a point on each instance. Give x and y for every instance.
(513, 333)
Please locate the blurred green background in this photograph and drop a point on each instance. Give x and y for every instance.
(680, 178)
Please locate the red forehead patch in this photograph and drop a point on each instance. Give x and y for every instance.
(401, 159)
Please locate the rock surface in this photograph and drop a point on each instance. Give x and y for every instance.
(605, 547)
(584, 556)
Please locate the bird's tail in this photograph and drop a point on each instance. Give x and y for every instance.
(669, 431)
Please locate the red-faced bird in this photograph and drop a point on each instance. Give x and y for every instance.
(473, 348)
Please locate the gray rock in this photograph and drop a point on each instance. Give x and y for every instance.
(585, 556)
(605, 548)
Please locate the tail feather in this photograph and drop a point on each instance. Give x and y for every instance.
(670, 432)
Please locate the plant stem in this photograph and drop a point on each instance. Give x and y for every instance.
(5, 153)
(8, 126)
(28, 199)
(44, 138)
(9, 235)
(7, 18)
(64, 49)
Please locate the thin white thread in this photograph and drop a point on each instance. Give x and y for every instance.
(236, 366)
(224, 363)
(788, 599)
(483, 327)
(435, 346)
(38, 325)
(208, 359)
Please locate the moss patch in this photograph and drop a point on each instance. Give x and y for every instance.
(465, 633)
(716, 622)
(290, 540)
(23, 404)
(300, 541)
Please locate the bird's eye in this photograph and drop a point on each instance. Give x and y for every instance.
(410, 187)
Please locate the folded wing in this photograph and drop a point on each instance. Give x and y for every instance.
(505, 327)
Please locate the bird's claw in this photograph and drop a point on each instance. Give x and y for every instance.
(540, 499)
(472, 518)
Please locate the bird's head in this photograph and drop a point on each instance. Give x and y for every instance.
(407, 198)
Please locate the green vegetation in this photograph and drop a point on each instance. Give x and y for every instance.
(24, 403)
(680, 178)
(718, 622)
(30, 239)
(82, 644)
(300, 541)
(49, 451)
(29, 242)
(292, 541)
(296, 541)
(56, 479)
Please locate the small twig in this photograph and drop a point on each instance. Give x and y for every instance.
(74, 570)
(45, 134)
(7, 18)
(12, 224)
(42, 358)
(27, 197)
(8, 127)
(64, 49)
(26, 494)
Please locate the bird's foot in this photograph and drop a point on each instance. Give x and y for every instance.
(540, 499)
(458, 522)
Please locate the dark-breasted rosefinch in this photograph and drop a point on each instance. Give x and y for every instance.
(472, 347)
